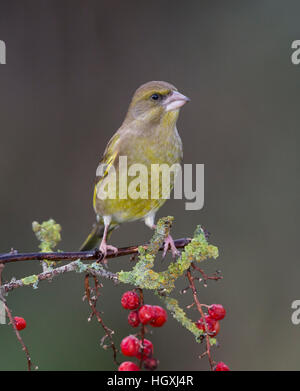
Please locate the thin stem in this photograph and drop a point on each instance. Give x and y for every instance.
(24, 347)
(95, 312)
(199, 307)
(205, 276)
(142, 329)
(13, 323)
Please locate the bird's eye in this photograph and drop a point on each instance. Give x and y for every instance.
(155, 96)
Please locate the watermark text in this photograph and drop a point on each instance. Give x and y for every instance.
(2, 52)
(295, 57)
(155, 182)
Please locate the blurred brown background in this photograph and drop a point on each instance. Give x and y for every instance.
(71, 69)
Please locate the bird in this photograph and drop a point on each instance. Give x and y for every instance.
(147, 136)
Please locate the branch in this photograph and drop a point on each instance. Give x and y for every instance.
(94, 269)
(95, 254)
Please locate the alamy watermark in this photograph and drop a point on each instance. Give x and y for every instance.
(2, 53)
(295, 318)
(295, 57)
(138, 181)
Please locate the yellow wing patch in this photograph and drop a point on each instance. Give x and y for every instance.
(107, 161)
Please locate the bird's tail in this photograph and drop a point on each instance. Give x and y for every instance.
(96, 234)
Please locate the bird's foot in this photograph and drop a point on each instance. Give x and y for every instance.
(169, 243)
(112, 248)
(104, 247)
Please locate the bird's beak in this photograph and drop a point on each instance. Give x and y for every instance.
(175, 101)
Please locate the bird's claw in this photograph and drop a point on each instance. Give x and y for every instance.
(112, 248)
(104, 247)
(169, 243)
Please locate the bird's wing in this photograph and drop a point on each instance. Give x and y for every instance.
(109, 157)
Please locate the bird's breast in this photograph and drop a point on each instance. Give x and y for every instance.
(142, 152)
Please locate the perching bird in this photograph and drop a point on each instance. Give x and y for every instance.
(147, 136)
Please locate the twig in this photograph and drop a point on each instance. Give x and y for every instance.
(206, 277)
(83, 255)
(199, 307)
(24, 347)
(13, 323)
(142, 328)
(92, 303)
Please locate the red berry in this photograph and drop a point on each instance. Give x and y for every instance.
(128, 366)
(20, 323)
(130, 346)
(151, 364)
(133, 318)
(148, 349)
(221, 367)
(130, 300)
(146, 313)
(160, 316)
(217, 311)
(213, 326)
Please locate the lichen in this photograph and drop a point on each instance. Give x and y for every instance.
(143, 275)
(30, 280)
(179, 314)
(48, 234)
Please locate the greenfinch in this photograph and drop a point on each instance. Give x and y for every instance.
(147, 136)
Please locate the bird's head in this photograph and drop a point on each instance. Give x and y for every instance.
(154, 101)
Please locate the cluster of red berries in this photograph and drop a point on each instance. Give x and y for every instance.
(20, 323)
(153, 315)
(216, 312)
(146, 314)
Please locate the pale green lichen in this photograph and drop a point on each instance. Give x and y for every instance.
(48, 234)
(178, 314)
(80, 267)
(30, 280)
(143, 275)
(212, 341)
